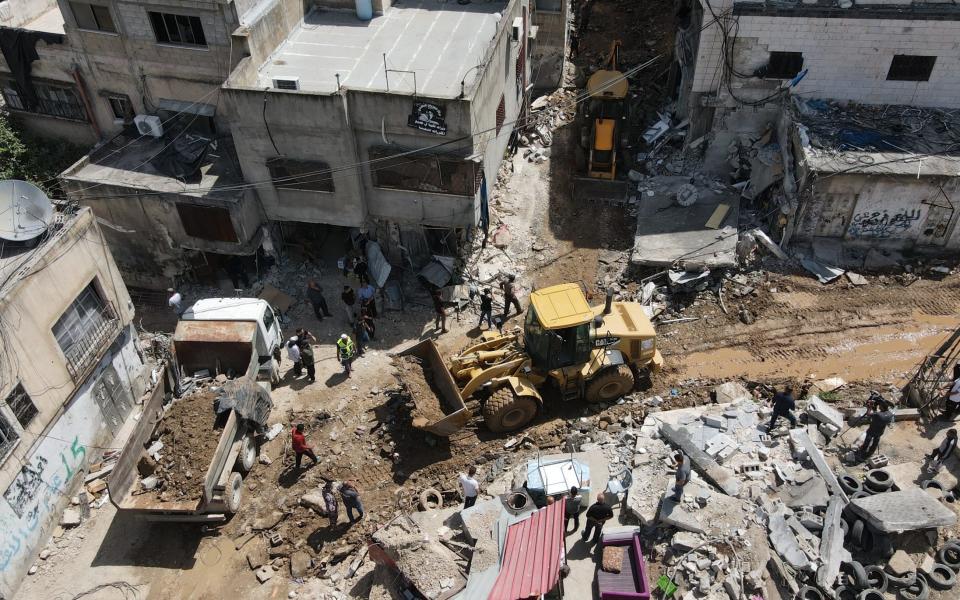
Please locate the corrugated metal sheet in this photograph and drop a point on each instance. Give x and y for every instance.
(531, 555)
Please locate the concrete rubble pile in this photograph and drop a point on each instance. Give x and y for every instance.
(765, 512)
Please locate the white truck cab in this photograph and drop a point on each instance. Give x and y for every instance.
(269, 338)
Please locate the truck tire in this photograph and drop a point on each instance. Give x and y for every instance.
(233, 495)
(949, 554)
(877, 578)
(941, 577)
(505, 411)
(248, 454)
(610, 384)
(918, 590)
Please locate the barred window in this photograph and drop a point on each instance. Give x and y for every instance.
(22, 406)
(54, 100)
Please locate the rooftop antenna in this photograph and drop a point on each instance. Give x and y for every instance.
(25, 211)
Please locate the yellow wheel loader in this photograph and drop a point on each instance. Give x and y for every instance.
(591, 353)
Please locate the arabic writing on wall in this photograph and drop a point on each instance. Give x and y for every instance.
(881, 224)
(34, 494)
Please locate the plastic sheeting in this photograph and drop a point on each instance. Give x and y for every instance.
(251, 401)
(377, 265)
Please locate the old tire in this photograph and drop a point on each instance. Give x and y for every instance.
(918, 590)
(871, 594)
(233, 495)
(877, 578)
(610, 384)
(248, 454)
(430, 499)
(850, 484)
(505, 411)
(878, 480)
(856, 575)
(844, 592)
(901, 582)
(942, 577)
(949, 555)
(808, 592)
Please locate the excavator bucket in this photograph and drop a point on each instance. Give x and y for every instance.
(439, 407)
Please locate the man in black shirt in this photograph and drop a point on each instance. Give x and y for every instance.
(782, 405)
(880, 418)
(598, 514)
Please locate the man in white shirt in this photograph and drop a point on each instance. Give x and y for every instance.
(176, 301)
(470, 487)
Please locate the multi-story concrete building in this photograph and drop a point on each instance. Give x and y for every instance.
(70, 372)
(394, 126)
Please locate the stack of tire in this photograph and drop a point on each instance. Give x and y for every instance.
(876, 481)
(859, 582)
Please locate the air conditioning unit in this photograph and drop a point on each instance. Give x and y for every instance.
(517, 28)
(149, 125)
(286, 83)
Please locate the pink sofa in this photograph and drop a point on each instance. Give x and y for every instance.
(631, 582)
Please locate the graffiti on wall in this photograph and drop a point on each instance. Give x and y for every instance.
(33, 495)
(882, 224)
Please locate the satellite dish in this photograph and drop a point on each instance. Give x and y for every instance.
(25, 211)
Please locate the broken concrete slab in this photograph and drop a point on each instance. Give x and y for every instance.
(685, 540)
(823, 412)
(722, 477)
(299, 564)
(731, 391)
(70, 517)
(831, 545)
(813, 493)
(784, 541)
(649, 478)
(906, 510)
(820, 463)
(723, 515)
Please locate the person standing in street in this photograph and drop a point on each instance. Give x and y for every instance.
(319, 303)
(682, 476)
(783, 405)
(349, 299)
(572, 509)
(943, 452)
(293, 353)
(351, 500)
(880, 417)
(470, 487)
(304, 338)
(486, 308)
(175, 301)
(330, 501)
(368, 302)
(361, 271)
(598, 514)
(952, 404)
(360, 336)
(510, 296)
(345, 352)
(440, 320)
(300, 446)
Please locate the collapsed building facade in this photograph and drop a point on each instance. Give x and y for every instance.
(393, 130)
(839, 116)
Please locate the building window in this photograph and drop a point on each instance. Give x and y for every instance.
(178, 29)
(85, 330)
(437, 174)
(313, 176)
(93, 17)
(905, 67)
(210, 223)
(8, 436)
(553, 6)
(501, 113)
(22, 406)
(783, 65)
(121, 107)
(53, 100)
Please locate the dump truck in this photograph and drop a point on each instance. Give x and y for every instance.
(590, 353)
(203, 349)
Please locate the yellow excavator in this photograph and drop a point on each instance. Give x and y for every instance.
(606, 89)
(591, 353)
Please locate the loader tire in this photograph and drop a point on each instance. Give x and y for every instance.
(610, 384)
(505, 411)
(233, 495)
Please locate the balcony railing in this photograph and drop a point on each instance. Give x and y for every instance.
(87, 348)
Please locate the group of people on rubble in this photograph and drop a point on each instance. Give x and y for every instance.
(349, 493)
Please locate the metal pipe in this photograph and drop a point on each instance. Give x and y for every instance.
(608, 304)
(78, 79)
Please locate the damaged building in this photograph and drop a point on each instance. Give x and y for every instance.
(70, 371)
(394, 129)
(859, 150)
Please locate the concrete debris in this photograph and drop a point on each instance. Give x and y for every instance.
(722, 477)
(906, 510)
(827, 385)
(823, 273)
(70, 517)
(785, 543)
(820, 463)
(900, 564)
(731, 392)
(823, 412)
(299, 564)
(831, 545)
(813, 493)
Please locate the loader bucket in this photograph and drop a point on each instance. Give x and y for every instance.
(439, 406)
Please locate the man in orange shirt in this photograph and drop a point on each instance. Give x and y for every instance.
(300, 446)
